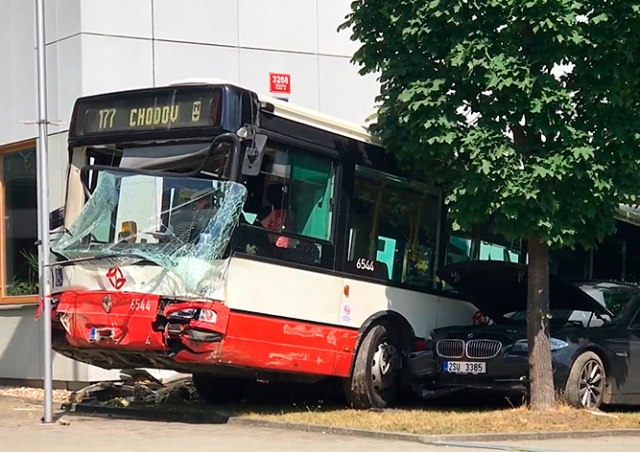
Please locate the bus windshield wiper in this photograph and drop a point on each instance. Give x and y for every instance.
(95, 258)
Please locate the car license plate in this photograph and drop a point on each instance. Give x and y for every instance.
(463, 367)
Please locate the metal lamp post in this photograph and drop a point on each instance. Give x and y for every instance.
(43, 210)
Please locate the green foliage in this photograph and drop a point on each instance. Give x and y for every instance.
(21, 287)
(470, 99)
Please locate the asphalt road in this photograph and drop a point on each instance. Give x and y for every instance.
(21, 430)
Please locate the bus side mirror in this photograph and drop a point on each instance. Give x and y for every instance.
(253, 153)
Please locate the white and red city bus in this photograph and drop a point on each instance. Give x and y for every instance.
(215, 231)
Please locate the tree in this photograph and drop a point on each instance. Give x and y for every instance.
(526, 111)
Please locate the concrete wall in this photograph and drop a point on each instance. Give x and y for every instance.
(94, 47)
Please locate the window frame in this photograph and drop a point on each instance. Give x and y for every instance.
(372, 174)
(634, 324)
(6, 299)
(283, 143)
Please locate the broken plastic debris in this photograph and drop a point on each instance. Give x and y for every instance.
(137, 387)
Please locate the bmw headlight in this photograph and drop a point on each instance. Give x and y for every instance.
(557, 344)
(523, 346)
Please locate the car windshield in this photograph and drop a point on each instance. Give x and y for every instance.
(178, 223)
(614, 296)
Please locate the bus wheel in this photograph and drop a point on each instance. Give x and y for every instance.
(215, 389)
(376, 371)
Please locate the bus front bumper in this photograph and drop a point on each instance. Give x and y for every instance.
(143, 322)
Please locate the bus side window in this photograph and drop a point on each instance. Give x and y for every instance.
(293, 197)
(393, 225)
(461, 248)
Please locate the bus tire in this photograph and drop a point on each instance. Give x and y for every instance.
(215, 389)
(374, 381)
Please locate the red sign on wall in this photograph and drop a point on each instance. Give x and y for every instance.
(279, 83)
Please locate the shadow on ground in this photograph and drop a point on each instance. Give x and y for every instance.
(281, 399)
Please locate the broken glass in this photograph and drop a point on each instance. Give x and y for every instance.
(181, 224)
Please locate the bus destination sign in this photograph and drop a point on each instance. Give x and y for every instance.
(149, 110)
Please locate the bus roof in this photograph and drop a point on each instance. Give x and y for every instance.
(298, 114)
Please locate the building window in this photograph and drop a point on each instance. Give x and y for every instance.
(18, 206)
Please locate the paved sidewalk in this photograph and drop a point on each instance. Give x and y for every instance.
(21, 430)
(579, 445)
(98, 435)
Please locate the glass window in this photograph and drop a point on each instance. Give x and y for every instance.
(21, 223)
(393, 229)
(292, 195)
(609, 259)
(569, 263)
(635, 323)
(484, 247)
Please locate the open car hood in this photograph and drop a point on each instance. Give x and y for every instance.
(498, 288)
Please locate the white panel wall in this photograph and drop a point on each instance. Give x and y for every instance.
(284, 25)
(130, 18)
(64, 79)
(198, 21)
(178, 61)
(331, 14)
(343, 92)
(112, 63)
(18, 73)
(62, 19)
(21, 351)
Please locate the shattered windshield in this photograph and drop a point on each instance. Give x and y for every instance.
(179, 223)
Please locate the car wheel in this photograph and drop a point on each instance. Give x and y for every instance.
(215, 389)
(376, 371)
(587, 381)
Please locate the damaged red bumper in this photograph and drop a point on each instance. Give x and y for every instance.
(140, 322)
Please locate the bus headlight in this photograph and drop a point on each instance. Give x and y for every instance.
(522, 345)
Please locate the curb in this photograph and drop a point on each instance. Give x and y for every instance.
(435, 439)
(441, 440)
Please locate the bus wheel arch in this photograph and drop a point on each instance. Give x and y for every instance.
(377, 367)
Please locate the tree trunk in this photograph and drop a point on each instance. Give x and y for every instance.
(542, 391)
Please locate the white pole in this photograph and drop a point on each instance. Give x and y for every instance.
(43, 210)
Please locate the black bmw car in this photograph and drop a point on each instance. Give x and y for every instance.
(596, 353)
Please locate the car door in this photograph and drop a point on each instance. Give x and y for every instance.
(632, 385)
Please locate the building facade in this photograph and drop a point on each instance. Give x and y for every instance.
(94, 47)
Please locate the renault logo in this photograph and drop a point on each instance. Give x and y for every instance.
(106, 304)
